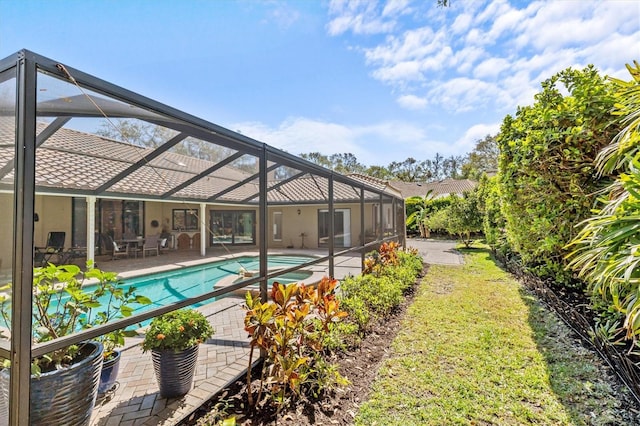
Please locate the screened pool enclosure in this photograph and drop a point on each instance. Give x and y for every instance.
(102, 164)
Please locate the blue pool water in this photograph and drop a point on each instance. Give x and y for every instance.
(165, 288)
(173, 286)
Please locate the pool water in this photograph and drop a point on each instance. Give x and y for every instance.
(165, 288)
(169, 287)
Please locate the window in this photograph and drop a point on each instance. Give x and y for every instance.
(233, 227)
(277, 226)
(185, 220)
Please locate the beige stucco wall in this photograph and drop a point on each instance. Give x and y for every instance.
(293, 224)
(55, 215)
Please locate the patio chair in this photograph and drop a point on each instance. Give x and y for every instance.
(53, 249)
(120, 251)
(150, 245)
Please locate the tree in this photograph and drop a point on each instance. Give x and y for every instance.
(317, 158)
(464, 217)
(452, 166)
(419, 216)
(346, 163)
(141, 133)
(409, 170)
(379, 172)
(436, 167)
(483, 158)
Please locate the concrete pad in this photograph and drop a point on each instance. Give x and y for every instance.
(437, 252)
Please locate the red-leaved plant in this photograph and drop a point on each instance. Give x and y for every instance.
(291, 329)
(387, 255)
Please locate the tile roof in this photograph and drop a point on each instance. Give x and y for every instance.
(440, 188)
(78, 162)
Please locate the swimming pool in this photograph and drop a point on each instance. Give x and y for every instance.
(165, 288)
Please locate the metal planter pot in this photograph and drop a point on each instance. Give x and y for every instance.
(63, 397)
(174, 371)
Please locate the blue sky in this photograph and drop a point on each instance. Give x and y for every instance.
(383, 80)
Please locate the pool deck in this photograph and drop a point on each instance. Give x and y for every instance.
(222, 359)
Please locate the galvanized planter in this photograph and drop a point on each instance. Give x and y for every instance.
(174, 371)
(62, 397)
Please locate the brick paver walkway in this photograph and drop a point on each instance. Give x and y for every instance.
(221, 360)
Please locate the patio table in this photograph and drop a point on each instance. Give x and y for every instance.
(132, 244)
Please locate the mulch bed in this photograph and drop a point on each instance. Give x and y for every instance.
(360, 366)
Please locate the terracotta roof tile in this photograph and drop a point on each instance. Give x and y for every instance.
(440, 188)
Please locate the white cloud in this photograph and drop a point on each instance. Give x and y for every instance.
(395, 7)
(297, 135)
(481, 57)
(464, 94)
(412, 102)
(360, 17)
(401, 72)
(475, 133)
(490, 68)
(283, 16)
(415, 44)
(496, 52)
(461, 24)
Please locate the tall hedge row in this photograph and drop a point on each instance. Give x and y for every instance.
(547, 180)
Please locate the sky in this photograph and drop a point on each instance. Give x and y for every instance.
(382, 80)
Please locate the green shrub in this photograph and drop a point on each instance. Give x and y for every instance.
(605, 252)
(547, 176)
(493, 223)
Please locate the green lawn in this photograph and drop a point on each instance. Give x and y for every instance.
(475, 348)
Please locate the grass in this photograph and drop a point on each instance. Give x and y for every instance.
(475, 348)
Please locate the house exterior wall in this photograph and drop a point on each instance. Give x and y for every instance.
(293, 224)
(54, 214)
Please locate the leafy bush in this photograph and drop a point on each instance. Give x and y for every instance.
(421, 209)
(493, 223)
(606, 251)
(370, 297)
(292, 328)
(460, 218)
(177, 331)
(439, 221)
(385, 256)
(465, 217)
(63, 306)
(547, 174)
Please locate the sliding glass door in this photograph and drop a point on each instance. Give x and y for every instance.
(342, 225)
(233, 227)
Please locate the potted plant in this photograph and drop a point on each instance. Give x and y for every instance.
(64, 382)
(119, 305)
(173, 340)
